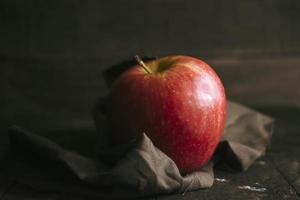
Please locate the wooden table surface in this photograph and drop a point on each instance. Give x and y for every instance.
(275, 176)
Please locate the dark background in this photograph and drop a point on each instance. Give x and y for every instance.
(52, 53)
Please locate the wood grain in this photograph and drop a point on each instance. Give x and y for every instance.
(52, 55)
(261, 82)
(285, 155)
(22, 192)
(261, 175)
(106, 29)
(276, 174)
(5, 185)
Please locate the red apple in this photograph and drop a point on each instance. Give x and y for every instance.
(178, 101)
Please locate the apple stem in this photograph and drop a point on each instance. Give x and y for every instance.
(141, 62)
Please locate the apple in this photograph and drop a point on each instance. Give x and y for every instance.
(178, 101)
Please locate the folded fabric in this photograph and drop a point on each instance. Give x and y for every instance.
(135, 169)
(143, 169)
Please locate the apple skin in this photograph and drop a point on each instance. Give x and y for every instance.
(181, 106)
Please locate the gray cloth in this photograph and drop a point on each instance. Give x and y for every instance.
(143, 169)
(136, 169)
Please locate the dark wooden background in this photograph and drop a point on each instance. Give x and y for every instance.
(88, 30)
(52, 54)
